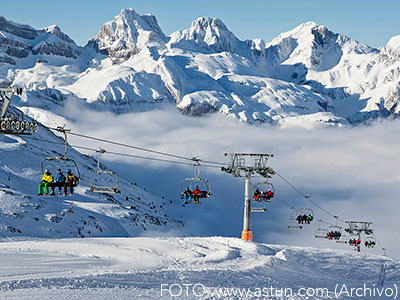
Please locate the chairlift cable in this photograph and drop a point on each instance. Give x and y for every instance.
(120, 154)
(284, 202)
(291, 185)
(308, 198)
(380, 245)
(135, 147)
(327, 223)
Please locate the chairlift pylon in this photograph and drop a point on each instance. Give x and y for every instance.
(100, 177)
(188, 185)
(61, 162)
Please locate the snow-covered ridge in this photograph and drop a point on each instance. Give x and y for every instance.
(306, 74)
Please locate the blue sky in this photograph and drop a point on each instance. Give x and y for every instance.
(370, 22)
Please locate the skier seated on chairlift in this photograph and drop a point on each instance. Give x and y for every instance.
(370, 244)
(334, 235)
(59, 181)
(301, 219)
(196, 195)
(70, 181)
(354, 242)
(187, 196)
(268, 195)
(257, 195)
(309, 218)
(46, 182)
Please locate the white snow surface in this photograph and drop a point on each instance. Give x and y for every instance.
(131, 66)
(135, 268)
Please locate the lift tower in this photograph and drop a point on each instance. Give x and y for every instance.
(245, 165)
(357, 228)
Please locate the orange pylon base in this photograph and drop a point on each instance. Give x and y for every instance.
(247, 235)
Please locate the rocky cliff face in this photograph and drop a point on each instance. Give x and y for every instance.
(23, 31)
(19, 41)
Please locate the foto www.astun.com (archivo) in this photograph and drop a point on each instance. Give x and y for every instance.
(372, 291)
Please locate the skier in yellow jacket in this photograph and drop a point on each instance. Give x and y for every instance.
(70, 181)
(47, 181)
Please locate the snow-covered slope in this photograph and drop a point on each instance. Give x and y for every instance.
(307, 73)
(84, 214)
(156, 268)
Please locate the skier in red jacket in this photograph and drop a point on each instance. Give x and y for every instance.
(196, 195)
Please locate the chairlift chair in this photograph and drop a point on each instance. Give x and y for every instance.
(335, 228)
(260, 200)
(263, 187)
(320, 233)
(293, 223)
(304, 211)
(103, 181)
(61, 162)
(369, 241)
(258, 205)
(191, 183)
(353, 237)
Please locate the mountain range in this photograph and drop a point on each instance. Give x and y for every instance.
(306, 74)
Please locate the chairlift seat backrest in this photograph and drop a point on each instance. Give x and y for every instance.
(63, 163)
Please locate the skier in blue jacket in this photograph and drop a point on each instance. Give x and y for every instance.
(59, 181)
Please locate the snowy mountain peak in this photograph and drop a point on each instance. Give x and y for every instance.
(315, 46)
(394, 43)
(54, 29)
(128, 34)
(207, 34)
(204, 23)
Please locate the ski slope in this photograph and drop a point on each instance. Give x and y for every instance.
(135, 268)
(25, 214)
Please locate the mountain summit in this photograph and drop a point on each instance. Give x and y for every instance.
(127, 34)
(207, 34)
